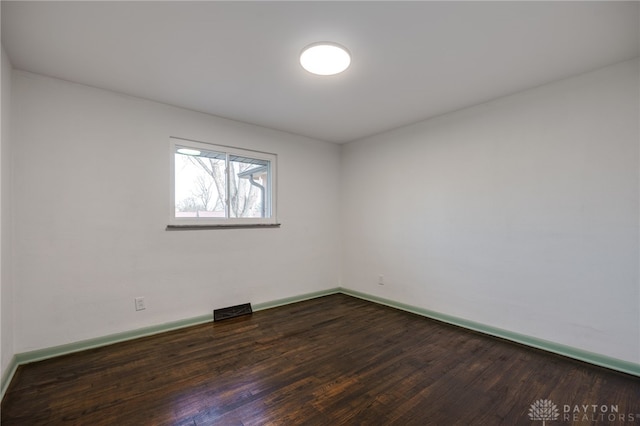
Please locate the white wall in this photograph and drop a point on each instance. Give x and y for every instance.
(6, 284)
(91, 179)
(521, 213)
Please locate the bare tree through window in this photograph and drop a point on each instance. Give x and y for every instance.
(218, 184)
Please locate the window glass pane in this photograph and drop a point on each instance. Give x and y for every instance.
(216, 185)
(248, 187)
(199, 183)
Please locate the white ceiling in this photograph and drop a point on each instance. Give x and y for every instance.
(411, 60)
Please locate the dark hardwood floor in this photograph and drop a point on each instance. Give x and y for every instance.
(334, 360)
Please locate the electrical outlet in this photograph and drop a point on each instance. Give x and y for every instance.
(380, 279)
(139, 303)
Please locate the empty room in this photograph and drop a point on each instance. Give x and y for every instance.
(320, 213)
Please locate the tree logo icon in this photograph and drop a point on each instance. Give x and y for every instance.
(543, 409)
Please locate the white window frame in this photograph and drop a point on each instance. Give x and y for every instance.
(195, 222)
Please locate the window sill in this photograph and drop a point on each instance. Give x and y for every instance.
(229, 226)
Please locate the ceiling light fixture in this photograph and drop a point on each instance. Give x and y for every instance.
(187, 151)
(325, 58)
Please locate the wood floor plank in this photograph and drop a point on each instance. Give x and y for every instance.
(334, 360)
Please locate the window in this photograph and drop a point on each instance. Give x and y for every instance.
(220, 185)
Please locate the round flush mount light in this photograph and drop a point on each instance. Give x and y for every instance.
(187, 151)
(325, 58)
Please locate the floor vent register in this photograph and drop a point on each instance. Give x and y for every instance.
(232, 312)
